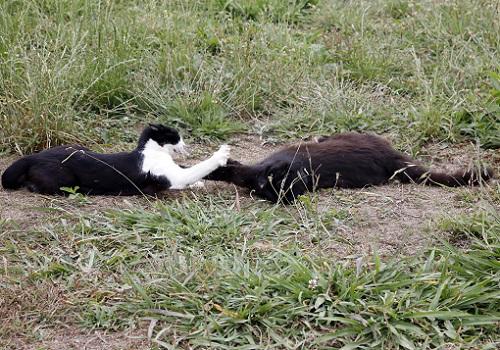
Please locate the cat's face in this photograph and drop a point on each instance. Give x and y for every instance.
(269, 180)
(167, 138)
(283, 181)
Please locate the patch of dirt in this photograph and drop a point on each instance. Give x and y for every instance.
(245, 148)
(18, 206)
(27, 307)
(29, 310)
(69, 338)
(392, 220)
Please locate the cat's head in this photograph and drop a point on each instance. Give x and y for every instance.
(282, 182)
(270, 179)
(163, 138)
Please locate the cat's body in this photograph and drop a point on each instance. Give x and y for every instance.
(148, 169)
(347, 160)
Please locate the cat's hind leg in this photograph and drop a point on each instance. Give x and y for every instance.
(48, 179)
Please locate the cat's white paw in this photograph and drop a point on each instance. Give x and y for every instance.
(197, 185)
(222, 155)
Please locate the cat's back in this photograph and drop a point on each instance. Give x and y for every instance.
(58, 152)
(53, 155)
(77, 157)
(355, 139)
(346, 141)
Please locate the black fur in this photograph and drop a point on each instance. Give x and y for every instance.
(347, 160)
(94, 173)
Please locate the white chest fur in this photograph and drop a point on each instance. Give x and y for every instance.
(157, 161)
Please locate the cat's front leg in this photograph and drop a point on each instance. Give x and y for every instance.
(221, 156)
(189, 176)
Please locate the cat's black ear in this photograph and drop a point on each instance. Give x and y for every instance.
(153, 127)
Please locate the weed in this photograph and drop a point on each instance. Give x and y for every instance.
(76, 196)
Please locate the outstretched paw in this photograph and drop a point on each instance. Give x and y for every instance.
(222, 155)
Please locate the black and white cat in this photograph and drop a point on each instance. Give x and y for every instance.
(347, 160)
(148, 169)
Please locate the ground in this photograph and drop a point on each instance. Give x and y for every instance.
(393, 217)
(394, 220)
(391, 267)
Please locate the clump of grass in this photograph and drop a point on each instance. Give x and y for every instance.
(477, 224)
(278, 11)
(204, 116)
(398, 8)
(284, 299)
(206, 275)
(483, 124)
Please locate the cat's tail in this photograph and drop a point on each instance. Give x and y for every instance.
(410, 172)
(14, 176)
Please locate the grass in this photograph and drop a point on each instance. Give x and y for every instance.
(78, 70)
(201, 271)
(203, 275)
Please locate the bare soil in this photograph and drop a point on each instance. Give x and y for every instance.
(67, 338)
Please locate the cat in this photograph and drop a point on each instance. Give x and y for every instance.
(346, 160)
(148, 169)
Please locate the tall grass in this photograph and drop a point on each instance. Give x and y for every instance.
(74, 70)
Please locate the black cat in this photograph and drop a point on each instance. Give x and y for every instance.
(148, 169)
(347, 160)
